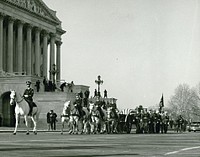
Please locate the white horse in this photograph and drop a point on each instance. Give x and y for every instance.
(22, 109)
(65, 116)
(97, 121)
(84, 121)
(95, 118)
(74, 118)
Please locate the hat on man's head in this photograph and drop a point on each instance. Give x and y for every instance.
(28, 82)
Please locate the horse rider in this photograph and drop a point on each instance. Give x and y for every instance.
(28, 96)
(78, 103)
(98, 104)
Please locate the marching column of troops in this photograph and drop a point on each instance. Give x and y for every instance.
(153, 121)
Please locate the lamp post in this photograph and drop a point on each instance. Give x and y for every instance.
(53, 72)
(99, 82)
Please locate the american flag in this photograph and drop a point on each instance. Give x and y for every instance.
(161, 104)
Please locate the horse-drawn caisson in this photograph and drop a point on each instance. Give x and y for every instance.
(126, 120)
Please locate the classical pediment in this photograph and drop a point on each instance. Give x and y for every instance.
(37, 7)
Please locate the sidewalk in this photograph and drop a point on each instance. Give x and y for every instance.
(23, 129)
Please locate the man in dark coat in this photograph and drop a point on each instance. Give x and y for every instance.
(95, 93)
(48, 121)
(105, 93)
(37, 85)
(53, 120)
(62, 86)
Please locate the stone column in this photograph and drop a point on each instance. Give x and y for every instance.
(5, 50)
(37, 52)
(24, 55)
(52, 53)
(1, 41)
(10, 45)
(58, 44)
(20, 47)
(45, 45)
(28, 55)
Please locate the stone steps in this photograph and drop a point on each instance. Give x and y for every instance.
(51, 101)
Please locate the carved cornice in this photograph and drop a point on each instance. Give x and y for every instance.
(37, 29)
(29, 26)
(11, 19)
(20, 22)
(2, 15)
(52, 35)
(58, 43)
(45, 32)
(60, 31)
(36, 7)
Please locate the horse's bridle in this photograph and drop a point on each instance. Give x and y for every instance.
(14, 99)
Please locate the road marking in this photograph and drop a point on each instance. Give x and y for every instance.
(181, 150)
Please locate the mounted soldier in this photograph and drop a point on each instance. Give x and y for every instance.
(78, 104)
(28, 96)
(98, 104)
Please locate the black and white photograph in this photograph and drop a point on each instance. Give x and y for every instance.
(99, 78)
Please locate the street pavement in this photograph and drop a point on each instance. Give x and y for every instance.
(54, 144)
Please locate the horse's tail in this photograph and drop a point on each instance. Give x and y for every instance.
(37, 114)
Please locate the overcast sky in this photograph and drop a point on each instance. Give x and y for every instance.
(141, 48)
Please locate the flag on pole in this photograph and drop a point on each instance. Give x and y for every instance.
(161, 104)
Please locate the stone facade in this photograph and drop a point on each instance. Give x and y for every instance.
(26, 30)
(30, 48)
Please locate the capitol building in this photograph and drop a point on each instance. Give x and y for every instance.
(30, 50)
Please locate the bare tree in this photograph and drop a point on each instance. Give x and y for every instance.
(185, 102)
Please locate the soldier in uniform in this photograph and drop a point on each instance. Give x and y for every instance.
(164, 122)
(151, 122)
(179, 123)
(28, 96)
(157, 121)
(145, 120)
(138, 121)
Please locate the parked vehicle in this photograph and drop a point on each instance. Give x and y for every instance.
(194, 126)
